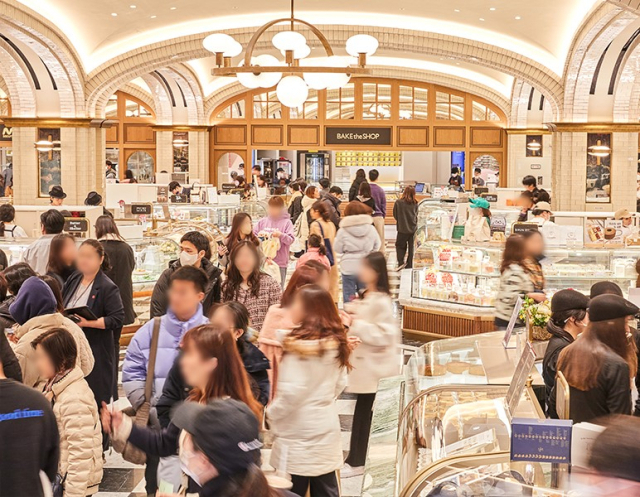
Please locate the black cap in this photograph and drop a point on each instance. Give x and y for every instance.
(568, 300)
(226, 431)
(605, 288)
(607, 307)
(93, 198)
(57, 192)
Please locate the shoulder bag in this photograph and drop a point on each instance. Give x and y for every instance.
(327, 245)
(140, 416)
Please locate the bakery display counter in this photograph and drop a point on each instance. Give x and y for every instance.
(449, 404)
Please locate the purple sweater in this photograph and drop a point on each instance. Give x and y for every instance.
(379, 197)
(283, 225)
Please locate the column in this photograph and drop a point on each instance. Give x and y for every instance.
(199, 156)
(164, 151)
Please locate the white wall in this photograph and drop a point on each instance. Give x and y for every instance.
(520, 165)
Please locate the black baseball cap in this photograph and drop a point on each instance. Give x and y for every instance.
(568, 300)
(608, 307)
(226, 431)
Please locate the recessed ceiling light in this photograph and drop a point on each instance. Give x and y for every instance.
(172, 8)
(518, 18)
(114, 14)
(132, 6)
(456, 10)
(482, 18)
(153, 17)
(492, 8)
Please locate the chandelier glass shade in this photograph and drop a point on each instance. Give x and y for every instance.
(599, 150)
(534, 145)
(292, 77)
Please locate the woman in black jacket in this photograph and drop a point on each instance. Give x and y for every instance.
(568, 320)
(354, 189)
(599, 366)
(89, 286)
(405, 212)
(195, 250)
(121, 273)
(228, 316)
(364, 195)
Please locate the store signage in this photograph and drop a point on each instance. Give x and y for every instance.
(6, 133)
(357, 136)
(519, 228)
(76, 225)
(536, 166)
(479, 190)
(541, 440)
(179, 199)
(490, 197)
(141, 209)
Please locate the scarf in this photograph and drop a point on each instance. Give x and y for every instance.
(48, 387)
(534, 269)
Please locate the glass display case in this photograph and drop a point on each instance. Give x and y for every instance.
(218, 215)
(257, 210)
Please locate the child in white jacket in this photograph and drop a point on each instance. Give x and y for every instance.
(377, 356)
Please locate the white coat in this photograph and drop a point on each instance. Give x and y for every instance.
(378, 356)
(303, 415)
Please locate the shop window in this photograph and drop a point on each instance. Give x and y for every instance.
(376, 101)
(111, 110)
(134, 109)
(481, 112)
(449, 107)
(266, 106)
(309, 109)
(598, 167)
(141, 164)
(413, 103)
(341, 102)
(486, 171)
(48, 149)
(234, 111)
(180, 152)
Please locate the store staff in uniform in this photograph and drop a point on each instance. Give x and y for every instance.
(599, 366)
(627, 222)
(176, 188)
(568, 319)
(57, 195)
(542, 214)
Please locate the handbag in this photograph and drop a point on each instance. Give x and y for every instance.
(327, 246)
(140, 416)
(57, 487)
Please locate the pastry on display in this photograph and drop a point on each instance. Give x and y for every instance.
(435, 370)
(457, 367)
(609, 233)
(477, 370)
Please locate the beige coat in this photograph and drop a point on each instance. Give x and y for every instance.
(80, 434)
(303, 415)
(329, 230)
(277, 318)
(35, 327)
(378, 356)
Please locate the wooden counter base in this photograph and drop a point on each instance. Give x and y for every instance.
(430, 324)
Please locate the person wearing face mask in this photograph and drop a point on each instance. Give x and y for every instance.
(195, 250)
(241, 229)
(210, 362)
(220, 449)
(568, 319)
(477, 228)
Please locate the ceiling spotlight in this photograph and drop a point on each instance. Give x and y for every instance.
(456, 10)
(153, 17)
(482, 18)
(172, 8)
(492, 9)
(114, 14)
(518, 18)
(132, 6)
(534, 145)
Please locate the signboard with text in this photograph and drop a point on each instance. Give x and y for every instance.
(6, 133)
(357, 136)
(76, 225)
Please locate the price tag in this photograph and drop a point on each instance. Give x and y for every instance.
(519, 228)
(490, 197)
(74, 225)
(512, 324)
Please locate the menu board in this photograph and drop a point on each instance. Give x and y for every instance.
(541, 440)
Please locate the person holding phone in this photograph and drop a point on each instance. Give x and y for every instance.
(90, 287)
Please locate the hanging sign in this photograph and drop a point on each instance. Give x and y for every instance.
(6, 133)
(357, 136)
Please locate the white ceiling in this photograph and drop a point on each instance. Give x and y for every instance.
(543, 31)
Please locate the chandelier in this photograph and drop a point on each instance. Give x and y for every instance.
(292, 76)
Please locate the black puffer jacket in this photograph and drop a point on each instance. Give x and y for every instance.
(175, 389)
(333, 204)
(612, 394)
(10, 363)
(559, 340)
(160, 300)
(6, 320)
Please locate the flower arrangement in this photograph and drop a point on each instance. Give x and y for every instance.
(537, 316)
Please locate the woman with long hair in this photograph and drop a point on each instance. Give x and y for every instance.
(364, 195)
(8, 228)
(323, 226)
(405, 212)
(599, 365)
(534, 249)
(568, 320)
(75, 409)
(514, 280)
(354, 189)
(356, 238)
(247, 284)
(90, 287)
(311, 195)
(129, 177)
(241, 229)
(279, 317)
(62, 257)
(211, 364)
(303, 414)
(117, 249)
(377, 355)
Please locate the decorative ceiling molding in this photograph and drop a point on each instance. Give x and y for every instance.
(629, 5)
(20, 89)
(140, 94)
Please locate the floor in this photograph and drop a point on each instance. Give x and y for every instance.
(122, 479)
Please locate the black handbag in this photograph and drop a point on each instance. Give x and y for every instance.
(57, 487)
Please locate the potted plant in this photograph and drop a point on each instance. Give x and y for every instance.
(535, 316)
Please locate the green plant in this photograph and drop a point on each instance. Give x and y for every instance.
(537, 314)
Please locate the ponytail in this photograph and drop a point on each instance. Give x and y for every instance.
(315, 241)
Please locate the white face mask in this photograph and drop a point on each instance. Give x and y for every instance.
(188, 472)
(188, 259)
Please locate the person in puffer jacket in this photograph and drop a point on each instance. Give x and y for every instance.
(75, 410)
(356, 238)
(187, 287)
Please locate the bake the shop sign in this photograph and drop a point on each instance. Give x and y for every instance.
(357, 136)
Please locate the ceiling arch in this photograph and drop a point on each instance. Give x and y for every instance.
(19, 87)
